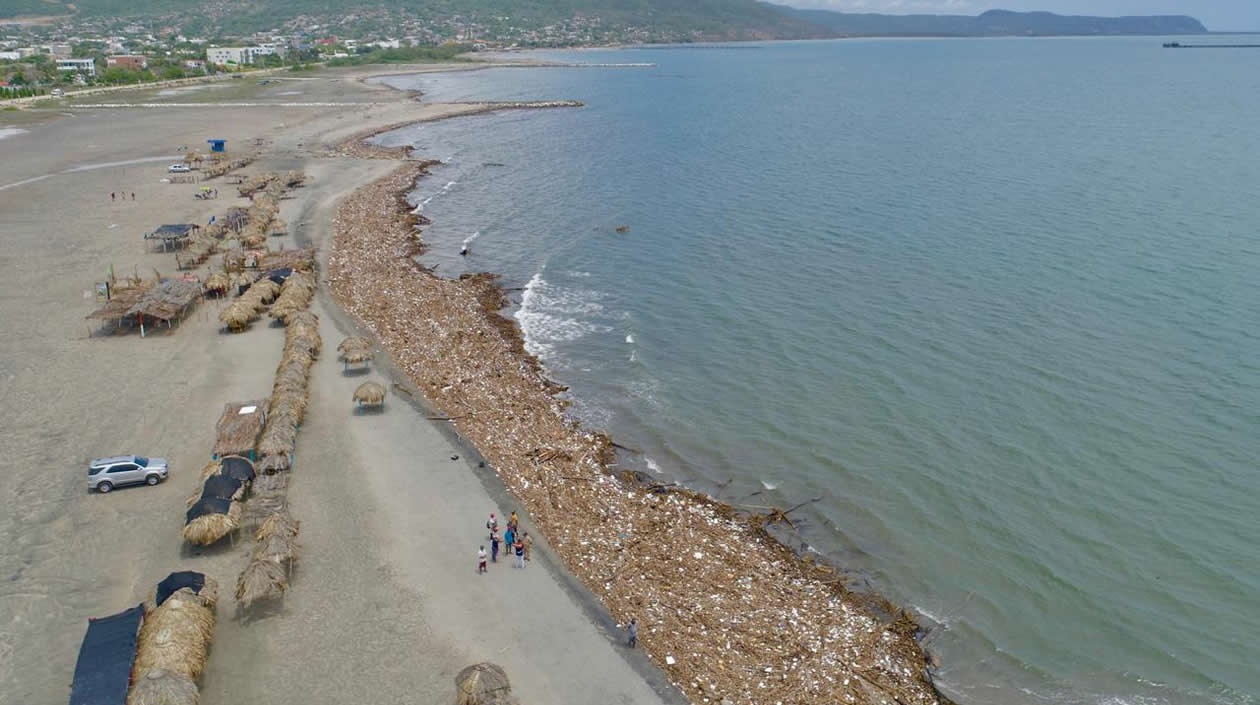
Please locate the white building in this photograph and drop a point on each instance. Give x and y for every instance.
(221, 56)
(9, 56)
(83, 66)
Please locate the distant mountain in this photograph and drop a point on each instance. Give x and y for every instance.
(996, 23)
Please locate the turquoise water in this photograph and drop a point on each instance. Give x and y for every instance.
(994, 301)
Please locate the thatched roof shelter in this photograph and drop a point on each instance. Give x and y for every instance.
(303, 259)
(218, 284)
(370, 393)
(203, 586)
(278, 524)
(172, 235)
(356, 349)
(262, 579)
(162, 687)
(176, 636)
(209, 520)
(239, 426)
(483, 684)
(120, 301)
(167, 301)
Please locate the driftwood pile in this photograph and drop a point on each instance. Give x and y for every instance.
(727, 612)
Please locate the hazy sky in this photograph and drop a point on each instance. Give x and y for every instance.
(1218, 15)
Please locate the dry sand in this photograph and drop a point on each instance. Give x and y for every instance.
(386, 606)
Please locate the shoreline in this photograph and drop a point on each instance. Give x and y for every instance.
(468, 393)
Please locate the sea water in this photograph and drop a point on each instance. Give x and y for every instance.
(993, 301)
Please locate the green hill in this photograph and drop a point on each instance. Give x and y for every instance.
(708, 19)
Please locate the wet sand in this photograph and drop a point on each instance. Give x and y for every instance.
(386, 605)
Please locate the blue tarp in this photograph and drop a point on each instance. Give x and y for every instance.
(103, 673)
(177, 581)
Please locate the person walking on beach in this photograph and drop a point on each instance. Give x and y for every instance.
(633, 628)
(133, 195)
(519, 548)
(113, 195)
(514, 522)
(481, 560)
(493, 523)
(494, 545)
(528, 541)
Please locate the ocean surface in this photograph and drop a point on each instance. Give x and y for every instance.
(995, 302)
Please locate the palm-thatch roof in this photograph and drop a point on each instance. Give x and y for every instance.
(212, 527)
(262, 579)
(356, 349)
(218, 283)
(176, 636)
(370, 393)
(119, 303)
(483, 684)
(162, 687)
(278, 524)
(303, 259)
(239, 426)
(166, 301)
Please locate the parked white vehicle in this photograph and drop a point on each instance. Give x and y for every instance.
(178, 168)
(104, 474)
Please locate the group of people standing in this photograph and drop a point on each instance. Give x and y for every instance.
(514, 542)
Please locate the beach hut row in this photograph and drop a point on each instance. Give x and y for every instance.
(223, 166)
(248, 307)
(290, 392)
(257, 182)
(198, 250)
(153, 653)
(214, 510)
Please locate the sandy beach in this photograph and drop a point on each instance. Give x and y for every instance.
(386, 605)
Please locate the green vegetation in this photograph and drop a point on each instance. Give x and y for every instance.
(409, 55)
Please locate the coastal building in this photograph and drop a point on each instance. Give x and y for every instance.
(222, 56)
(194, 64)
(9, 56)
(130, 62)
(60, 51)
(85, 67)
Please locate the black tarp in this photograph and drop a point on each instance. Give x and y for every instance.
(207, 505)
(237, 467)
(103, 673)
(170, 232)
(220, 486)
(179, 581)
(279, 275)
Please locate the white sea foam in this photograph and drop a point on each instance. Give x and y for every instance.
(468, 240)
(10, 132)
(770, 485)
(630, 339)
(549, 315)
(651, 465)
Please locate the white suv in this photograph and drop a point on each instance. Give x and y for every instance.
(179, 168)
(104, 474)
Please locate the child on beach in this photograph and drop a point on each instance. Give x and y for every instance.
(529, 542)
(519, 548)
(492, 524)
(633, 628)
(481, 560)
(509, 538)
(514, 522)
(494, 546)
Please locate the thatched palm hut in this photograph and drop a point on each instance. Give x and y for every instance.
(162, 687)
(176, 636)
(483, 684)
(218, 284)
(207, 527)
(370, 394)
(261, 580)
